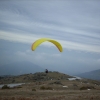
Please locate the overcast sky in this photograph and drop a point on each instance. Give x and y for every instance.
(73, 23)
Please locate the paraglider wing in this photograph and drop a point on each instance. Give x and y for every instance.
(57, 44)
(39, 41)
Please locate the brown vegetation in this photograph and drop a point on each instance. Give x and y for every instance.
(54, 89)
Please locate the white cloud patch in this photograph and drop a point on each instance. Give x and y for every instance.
(29, 38)
(38, 57)
(42, 59)
(16, 37)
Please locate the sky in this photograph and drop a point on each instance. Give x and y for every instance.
(75, 24)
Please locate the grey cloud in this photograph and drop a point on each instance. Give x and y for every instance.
(69, 21)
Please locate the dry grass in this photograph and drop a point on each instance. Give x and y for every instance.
(72, 95)
(33, 91)
(51, 89)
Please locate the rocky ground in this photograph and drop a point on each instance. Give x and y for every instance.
(51, 86)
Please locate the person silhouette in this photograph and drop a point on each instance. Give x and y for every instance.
(46, 71)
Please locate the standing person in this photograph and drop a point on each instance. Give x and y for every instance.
(46, 71)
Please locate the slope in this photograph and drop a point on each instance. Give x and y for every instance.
(91, 75)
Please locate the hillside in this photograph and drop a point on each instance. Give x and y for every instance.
(95, 75)
(20, 68)
(42, 76)
(39, 76)
(49, 86)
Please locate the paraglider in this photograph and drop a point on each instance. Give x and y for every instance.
(39, 41)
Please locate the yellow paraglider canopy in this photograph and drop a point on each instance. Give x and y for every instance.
(39, 41)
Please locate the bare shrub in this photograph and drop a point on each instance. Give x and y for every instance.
(87, 87)
(5, 87)
(33, 89)
(45, 88)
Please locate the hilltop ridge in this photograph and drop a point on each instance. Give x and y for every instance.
(38, 76)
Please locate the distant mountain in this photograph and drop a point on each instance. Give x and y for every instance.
(20, 68)
(95, 75)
